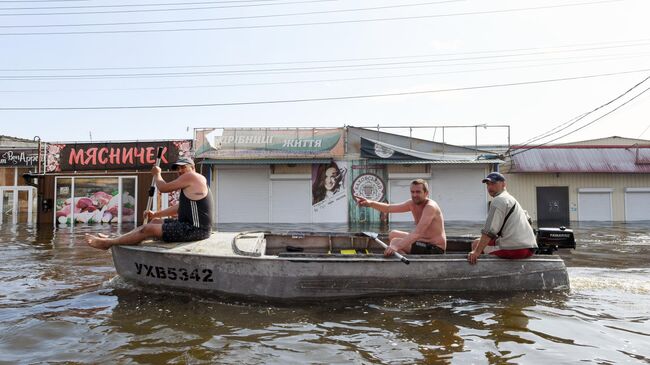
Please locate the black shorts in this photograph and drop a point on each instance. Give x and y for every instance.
(425, 248)
(175, 231)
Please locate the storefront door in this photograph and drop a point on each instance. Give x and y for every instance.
(17, 204)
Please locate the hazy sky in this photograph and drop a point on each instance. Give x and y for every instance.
(240, 62)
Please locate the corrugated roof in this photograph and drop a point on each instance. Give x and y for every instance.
(559, 159)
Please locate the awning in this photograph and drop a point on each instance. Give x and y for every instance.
(264, 161)
(382, 152)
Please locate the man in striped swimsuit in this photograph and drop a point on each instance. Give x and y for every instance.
(194, 211)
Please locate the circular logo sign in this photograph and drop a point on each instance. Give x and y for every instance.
(382, 151)
(369, 186)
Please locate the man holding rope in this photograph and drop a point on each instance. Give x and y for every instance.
(194, 211)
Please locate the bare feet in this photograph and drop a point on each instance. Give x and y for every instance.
(102, 243)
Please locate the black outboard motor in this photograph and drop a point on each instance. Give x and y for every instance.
(551, 239)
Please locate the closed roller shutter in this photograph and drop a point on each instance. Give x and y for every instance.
(637, 204)
(595, 205)
(460, 193)
(291, 201)
(243, 195)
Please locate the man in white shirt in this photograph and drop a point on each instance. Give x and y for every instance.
(507, 232)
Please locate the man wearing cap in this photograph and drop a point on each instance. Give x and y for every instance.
(194, 211)
(507, 232)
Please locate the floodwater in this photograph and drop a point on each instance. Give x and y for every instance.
(61, 302)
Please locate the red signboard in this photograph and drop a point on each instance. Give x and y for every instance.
(114, 156)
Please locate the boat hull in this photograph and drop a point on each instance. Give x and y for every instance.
(315, 277)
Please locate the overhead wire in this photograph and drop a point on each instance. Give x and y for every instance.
(180, 3)
(541, 50)
(303, 81)
(298, 70)
(523, 148)
(350, 21)
(164, 9)
(345, 97)
(234, 17)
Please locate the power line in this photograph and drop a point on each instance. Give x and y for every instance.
(352, 21)
(234, 17)
(164, 9)
(574, 120)
(294, 70)
(584, 126)
(645, 130)
(640, 42)
(134, 5)
(300, 81)
(348, 97)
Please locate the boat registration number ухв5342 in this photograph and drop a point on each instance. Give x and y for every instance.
(173, 273)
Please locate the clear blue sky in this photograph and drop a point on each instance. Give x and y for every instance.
(280, 50)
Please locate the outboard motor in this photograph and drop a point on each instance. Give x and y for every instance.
(551, 239)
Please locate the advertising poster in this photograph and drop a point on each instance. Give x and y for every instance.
(370, 182)
(329, 198)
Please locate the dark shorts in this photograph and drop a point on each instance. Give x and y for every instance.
(520, 253)
(425, 248)
(175, 231)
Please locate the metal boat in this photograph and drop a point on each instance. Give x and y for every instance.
(325, 265)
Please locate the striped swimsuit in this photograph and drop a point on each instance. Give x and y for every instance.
(194, 220)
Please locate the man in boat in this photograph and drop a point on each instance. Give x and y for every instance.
(429, 235)
(507, 232)
(193, 212)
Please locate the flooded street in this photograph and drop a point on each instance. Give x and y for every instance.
(61, 302)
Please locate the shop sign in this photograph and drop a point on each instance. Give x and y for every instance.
(269, 142)
(114, 156)
(18, 157)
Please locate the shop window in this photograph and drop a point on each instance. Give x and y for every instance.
(64, 213)
(94, 200)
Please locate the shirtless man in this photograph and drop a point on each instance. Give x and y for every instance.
(429, 234)
(194, 211)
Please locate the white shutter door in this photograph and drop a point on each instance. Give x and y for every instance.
(637, 204)
(291, 201)
(399, 192)
(243, 196)
(594, 206)
(460, 193)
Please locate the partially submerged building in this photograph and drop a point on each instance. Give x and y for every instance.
(18, 199)
(311, 175)
(605, 179)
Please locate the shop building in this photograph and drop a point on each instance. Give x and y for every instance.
(309, 175)
(104, 182)
(17, 197)
(599, 180)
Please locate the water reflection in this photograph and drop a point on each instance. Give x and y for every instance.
(60, 302)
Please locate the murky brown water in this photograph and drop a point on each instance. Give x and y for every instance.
(60, 302)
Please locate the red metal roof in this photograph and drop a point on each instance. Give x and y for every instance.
(581, 159)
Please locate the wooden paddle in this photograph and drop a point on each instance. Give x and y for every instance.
(152, 188)
(375, 236)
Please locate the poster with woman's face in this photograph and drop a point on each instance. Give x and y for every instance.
(329, 192)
